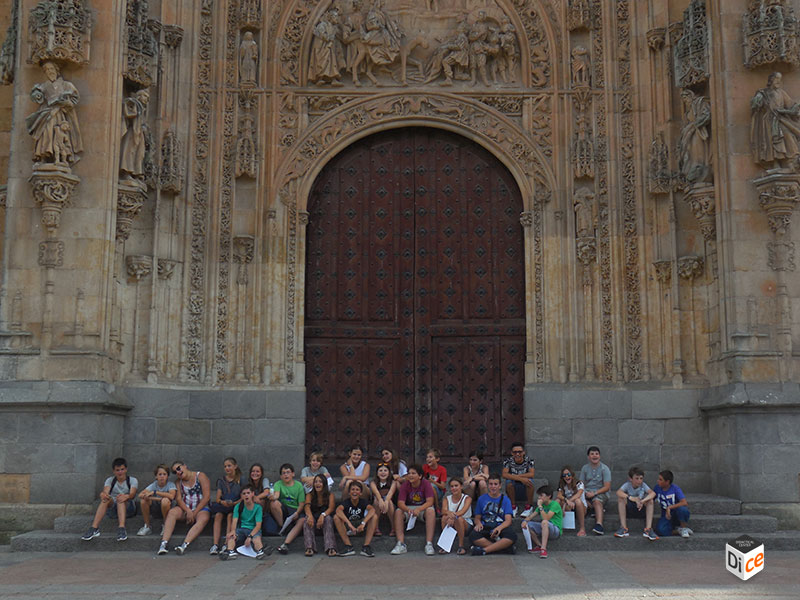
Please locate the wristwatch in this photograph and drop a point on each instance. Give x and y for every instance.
(323, 514)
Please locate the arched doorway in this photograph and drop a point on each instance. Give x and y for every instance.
(415, 298)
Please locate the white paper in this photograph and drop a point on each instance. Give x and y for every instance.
(569, 520)
(412, 520)
(446, 539)
(288, 522)
(330, 482)
(246, 551)
(527, 535)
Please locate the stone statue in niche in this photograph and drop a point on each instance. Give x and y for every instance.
(327, 53)
(248, 59)
(694, 147)
(54, 126)
(585, 212)
(134, 135)
(775, 126)
(580, 67)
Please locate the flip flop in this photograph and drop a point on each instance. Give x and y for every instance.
(461, 551)
(309, 552)
(581, 534)
(331, 552)
(378, 533)
(442, 551)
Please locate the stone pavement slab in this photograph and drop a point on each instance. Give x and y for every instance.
(563, 576)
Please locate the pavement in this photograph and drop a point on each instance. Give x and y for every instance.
(125, 575)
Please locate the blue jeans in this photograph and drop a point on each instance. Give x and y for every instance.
(665, 526)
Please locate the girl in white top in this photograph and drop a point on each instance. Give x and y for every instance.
(457, 513)
(396, 464)
(571, 496)
(355, 469)
(476, 474)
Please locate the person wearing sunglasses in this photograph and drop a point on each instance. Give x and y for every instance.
(571, 497)
(194, 493)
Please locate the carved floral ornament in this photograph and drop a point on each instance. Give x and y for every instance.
(460, 115)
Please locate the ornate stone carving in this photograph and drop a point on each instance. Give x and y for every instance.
(51, 254)
(8, 52)
(138, 266)
(327, 60)
(243, 249)
(60, 30)
(3, 196)
(54, 126)
(660, 176)
(663, 271)
(172, 170)
(173, 36)
(778, 193)
(579, 14)
(770, 31)
(701, 200)
(583, 150)
(581, 67)
(141, 45)
(694, 146)
(526, 219)
(53, 186)
(775, 126)
(250, 13)
(248, 60)
(135, 131)
(166, 268)
(246, 153)
(690, 267)
(781, 256)
(585, 208)
(691, 50)
(508, 105)
(131, 196)
(656, 38)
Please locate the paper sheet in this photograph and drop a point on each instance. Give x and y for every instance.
(569, 520)
(412, 520)
(447, 538)
(287, 523)
(527, 535)
(246, 551)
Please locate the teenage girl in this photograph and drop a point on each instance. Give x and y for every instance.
(354, 469)
(383, 488)
(457, 512)
(475, 475)
(194, 492)
(398, 467)
(571, 496)
(319, 511)
(229, 491)
(260, 484)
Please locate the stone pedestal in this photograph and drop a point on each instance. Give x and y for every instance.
(53, 186)
(131, 196)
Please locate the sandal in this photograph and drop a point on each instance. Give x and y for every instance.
(378, 533)
(442, 551)
(331, 552)
(461, 551)
(309, 552)
(581, 534)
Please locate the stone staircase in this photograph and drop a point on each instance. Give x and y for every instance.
(715, 520)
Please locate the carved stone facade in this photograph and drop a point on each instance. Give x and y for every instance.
(170, 246)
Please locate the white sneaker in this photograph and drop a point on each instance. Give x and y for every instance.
(213, 550)
(181, 550)
(400, 548)
(144, 531)
(162, 548)
(527, 513)
(685, 532)
(515, 511)
(429, 549)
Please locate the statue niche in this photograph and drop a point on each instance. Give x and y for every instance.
(364, 37)
(775, 126)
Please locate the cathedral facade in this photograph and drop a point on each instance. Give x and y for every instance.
(264, 227)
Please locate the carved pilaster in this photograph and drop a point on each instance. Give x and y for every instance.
(138, 266)
(60, 31)
(53, 186)
(691, 50)
(663, 271)
(778, 193)
(690, 267)
(769, 34)
(701, 200)
(131, 196)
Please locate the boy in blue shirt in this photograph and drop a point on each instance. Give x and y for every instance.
(492, 531)
(674, 507)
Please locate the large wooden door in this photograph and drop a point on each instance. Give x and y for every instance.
(415, 299)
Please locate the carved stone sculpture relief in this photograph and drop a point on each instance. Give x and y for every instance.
(250, 13)
(585, 208)
(770, 31)
(246, 155)
(8, 52)
(60, 30)
(579, 14)
(581, 68)
(583, 150)
(691, 50)
(327, 60)
(171, 174)
(775, 126)
(141, 45)
(660, 176)
(135, 131)
(694, 146)
(248, 60)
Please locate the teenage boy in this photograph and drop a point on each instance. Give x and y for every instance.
(416, 500)
(435, 473)
(596, 478)
(518, 471)
(674, 507)
(492, 531)
(119, 490)
(246, 526)
(288, 496)
(633, 496)
(552, 518)
(353, 516)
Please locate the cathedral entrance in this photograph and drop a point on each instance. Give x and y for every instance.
(415, 299)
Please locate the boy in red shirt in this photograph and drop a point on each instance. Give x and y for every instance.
(435, 473)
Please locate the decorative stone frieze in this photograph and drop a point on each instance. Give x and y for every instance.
(701, 200)
(60, 30)
(53, 187)
(690, 267)
(8, 52)
(51, 253)
(138, 266)
(778, 193)
(141, 44)
(781, 256)
(770, 34)
(131, 196)
(691, 50)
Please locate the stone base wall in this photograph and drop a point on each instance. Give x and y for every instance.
(655, 429)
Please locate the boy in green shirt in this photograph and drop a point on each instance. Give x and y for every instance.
(552, 517)
(288, 496)
(246, 526)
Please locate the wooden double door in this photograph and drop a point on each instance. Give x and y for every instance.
(415, 299)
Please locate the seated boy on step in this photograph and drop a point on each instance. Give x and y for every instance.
(119, 491)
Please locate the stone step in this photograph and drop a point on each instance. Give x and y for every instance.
(50, 541)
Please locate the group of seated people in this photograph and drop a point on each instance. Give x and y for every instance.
(479, 507)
